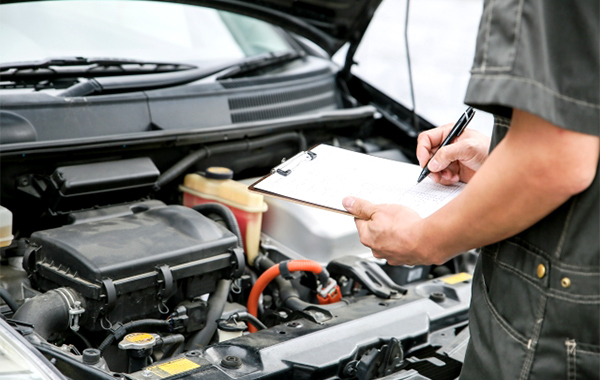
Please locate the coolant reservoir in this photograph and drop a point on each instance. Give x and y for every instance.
(216, 185)
(6, 236)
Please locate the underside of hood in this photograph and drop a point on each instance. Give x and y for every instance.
(328, 23)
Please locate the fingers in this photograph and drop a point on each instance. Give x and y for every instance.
(360, 208)
(470, 153)
(428, 141)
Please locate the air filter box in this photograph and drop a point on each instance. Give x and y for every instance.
(135, 266)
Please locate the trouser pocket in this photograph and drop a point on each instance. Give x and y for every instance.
(496, 350)
(583, 360)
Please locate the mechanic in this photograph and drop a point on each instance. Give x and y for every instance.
(533, 201)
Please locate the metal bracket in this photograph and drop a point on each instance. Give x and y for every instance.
(75, 308)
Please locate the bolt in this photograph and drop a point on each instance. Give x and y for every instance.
(437, 297)
(147, 373)
(294, 324)
(192, 353)
(231, 362)
(350, 369)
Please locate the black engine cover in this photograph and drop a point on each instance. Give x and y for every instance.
(127, 267)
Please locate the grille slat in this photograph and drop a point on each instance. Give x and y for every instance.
(290, 109)
(272, 104)
(279, 96)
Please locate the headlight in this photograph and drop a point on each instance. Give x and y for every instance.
(18, 361)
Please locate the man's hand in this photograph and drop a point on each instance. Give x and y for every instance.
(535, 168)
(389, 230)
(455, 162)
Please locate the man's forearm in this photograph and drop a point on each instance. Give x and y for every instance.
(535, 169)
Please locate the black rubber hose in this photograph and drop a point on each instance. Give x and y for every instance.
(216, 305)
(225, 213)
(48, 312)
(7, 298)
(236, 146)
(129, 327)
(173, 342)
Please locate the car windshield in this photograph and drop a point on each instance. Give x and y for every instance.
(143, 30)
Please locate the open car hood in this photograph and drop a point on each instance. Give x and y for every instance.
(328, 23)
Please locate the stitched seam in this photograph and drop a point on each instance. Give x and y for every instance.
(517, 32)
(573, 298)
(577, 272)
(543, 87)
(568, 363)
(537, 328)
(491, 68)
(536, 250)
(588, 352)
(570, 348)
(563, 235)
(487, 36)
(505, 326)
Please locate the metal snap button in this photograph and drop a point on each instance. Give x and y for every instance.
(565, 282)
(541, 271)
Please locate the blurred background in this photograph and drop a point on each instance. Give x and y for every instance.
(441, 36)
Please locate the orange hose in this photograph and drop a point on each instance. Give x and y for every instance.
(269, 275)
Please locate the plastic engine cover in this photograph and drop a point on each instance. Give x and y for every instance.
(128, 266)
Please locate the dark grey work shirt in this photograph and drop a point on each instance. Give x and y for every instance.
(535, 311)
(540, 56)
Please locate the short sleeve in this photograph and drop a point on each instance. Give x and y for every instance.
(542, 57)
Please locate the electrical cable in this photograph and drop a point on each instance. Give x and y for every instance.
(410, 79)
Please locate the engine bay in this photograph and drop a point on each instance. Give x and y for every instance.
(138, 263)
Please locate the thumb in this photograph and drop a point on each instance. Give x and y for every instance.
(360, 208)
(444, 157)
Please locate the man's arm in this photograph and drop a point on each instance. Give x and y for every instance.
(535, 169)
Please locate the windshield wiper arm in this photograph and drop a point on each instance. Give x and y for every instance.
(62, 67)
(149, 82)
(261, 62)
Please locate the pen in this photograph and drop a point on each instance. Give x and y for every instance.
(456, 131)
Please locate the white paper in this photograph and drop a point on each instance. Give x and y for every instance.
(336, 173)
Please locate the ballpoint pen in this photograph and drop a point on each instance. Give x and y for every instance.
(456, 131)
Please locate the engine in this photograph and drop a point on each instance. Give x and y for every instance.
(129, 267)
(151, 289)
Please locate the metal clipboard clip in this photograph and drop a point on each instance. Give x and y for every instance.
(286, 166)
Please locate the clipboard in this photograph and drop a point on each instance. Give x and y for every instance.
(285, 169)
(323, 175)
